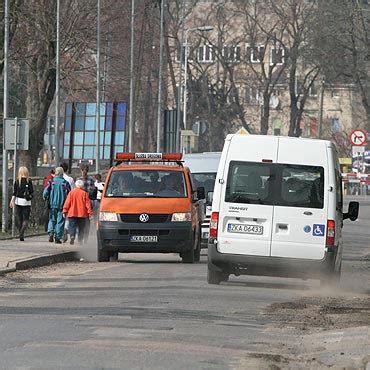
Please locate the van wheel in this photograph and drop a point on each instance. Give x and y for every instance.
(188, 257)
(214, 277)
(197, 248)
(103, 256)
(113, 256)
(332, 279)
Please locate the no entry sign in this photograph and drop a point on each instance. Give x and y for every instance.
(358, 138)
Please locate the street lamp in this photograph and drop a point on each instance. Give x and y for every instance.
(201, 29)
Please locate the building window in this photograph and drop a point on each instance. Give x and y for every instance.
(252, 95)
(205, 54)
(231, 54)
(335, 93)
(277, 55)
(190, 51)
(313, 90)
(255, 54)
(80, 130)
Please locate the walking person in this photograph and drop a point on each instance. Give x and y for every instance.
(56, 192)
(89, 186)
(45, 183)
(99, 184)
(71, 182)
(78, 209)
(21, 200)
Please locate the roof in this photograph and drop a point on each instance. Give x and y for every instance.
(147, 166)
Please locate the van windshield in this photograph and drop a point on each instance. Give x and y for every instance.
(146, 183)
(207, 180)
(275, 184)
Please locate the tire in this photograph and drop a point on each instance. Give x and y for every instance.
(103, 256)
(188, 257)
(197, 248)
(332, 279)
(214, 277)
(113, 256)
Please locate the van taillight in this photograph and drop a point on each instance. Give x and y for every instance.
(330, 233)
(213, 225)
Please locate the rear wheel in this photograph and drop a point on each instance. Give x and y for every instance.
(214, 277)
(188, 257)
(332, 279)
(197, 247)
(103, 256)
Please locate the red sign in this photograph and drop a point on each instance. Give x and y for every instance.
(358, 138)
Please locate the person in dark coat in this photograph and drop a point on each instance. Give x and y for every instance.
(21, 200)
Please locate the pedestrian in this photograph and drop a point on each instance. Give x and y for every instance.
(78, 209)
(89, 186)
(99, 184)
(47, 178)
(89, 182)
(56, 192)
(21, 200)
(71, 182)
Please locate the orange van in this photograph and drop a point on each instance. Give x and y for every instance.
(149, 204)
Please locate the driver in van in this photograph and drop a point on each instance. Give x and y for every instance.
(124, 184)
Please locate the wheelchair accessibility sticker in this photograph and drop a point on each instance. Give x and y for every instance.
(318, 230)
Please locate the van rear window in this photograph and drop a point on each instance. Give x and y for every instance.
(275, 184)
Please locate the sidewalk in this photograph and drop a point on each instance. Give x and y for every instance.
(35, 251)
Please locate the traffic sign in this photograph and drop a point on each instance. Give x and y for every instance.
(358, 138)
(21, 133)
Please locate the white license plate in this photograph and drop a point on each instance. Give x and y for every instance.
(144, 238)
(245, 229)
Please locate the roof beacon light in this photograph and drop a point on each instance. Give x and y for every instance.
(149, 156)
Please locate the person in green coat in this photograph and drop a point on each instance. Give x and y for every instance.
(56, 192)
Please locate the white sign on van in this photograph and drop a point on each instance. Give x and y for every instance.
(148, 155)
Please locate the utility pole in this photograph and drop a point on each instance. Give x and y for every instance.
(57, 90)
(97, 113)
(4, 202)
(179, 92)
(321, 108)
(131, 115)
(160, 79)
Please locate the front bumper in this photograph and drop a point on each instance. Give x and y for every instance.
(270, 266)
(173, 237)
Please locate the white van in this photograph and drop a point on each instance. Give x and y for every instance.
(277, 209)
(203, 167)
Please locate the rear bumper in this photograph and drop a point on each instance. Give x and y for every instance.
(173, 237)
(271, 266)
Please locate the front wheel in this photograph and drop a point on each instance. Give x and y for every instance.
(103, 256)
(188, 257)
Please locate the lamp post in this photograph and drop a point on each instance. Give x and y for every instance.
(98, 98)
(201, 29)
(57, 90)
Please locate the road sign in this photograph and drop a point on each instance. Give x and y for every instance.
(358, 138)
(22, 134)
(356, 150)
(242, 131)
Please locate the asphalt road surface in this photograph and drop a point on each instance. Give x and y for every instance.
(153, 312)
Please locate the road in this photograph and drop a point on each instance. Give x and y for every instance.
(153, 312)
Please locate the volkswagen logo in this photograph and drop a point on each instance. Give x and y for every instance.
(144, 217)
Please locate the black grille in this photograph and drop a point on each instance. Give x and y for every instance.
(153, 218)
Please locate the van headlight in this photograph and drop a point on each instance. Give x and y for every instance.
(108, 216)
(183, 216)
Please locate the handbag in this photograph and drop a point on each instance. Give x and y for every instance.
(27, 195)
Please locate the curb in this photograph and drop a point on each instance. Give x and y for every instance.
(39, 261)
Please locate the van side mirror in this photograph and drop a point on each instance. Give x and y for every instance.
(352, 213)
(201, 193)
(209, 197)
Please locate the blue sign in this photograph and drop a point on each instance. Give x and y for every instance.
(318, 230)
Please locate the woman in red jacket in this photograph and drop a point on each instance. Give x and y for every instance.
(77, 208)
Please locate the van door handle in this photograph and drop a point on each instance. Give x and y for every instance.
(307, 213)
(283, 226)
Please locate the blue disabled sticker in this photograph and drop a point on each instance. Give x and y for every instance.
(307, 229)
(318, 230)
